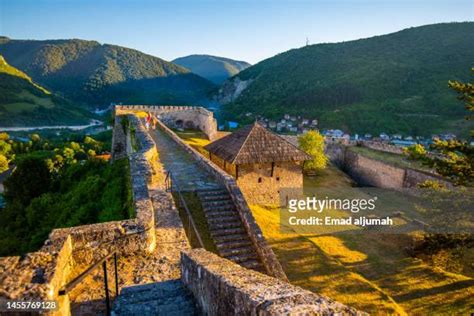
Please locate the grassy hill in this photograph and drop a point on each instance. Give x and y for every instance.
(391, 83)
(24, 103)
(97, 74)
(213, 68)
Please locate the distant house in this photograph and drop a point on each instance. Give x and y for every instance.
(286, 116)
(314, 122)
(280, 127)
(292, 118)
(283, 121)
(409, 138)
(448, 136)
(261, 162)
(384, 136)
(248, 114)
(397, 136)
(368, 136)
(294, 129)
(305, 121)
(272, 124)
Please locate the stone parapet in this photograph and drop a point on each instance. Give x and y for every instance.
(222, 287)
(188, 116)
(40, 275)
(266, 254)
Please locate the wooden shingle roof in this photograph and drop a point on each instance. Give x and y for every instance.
(255, 144)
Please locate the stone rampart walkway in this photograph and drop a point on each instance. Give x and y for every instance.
(184, 168)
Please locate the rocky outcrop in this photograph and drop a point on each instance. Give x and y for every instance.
(231, 90)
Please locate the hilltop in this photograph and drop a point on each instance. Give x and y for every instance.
(24, 103)
(214, 68)
(390, 83)
(96, 74)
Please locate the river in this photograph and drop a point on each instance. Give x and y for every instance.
(32, 128)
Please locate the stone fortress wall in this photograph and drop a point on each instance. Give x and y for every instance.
(184, 116)
(212, 280)
(372, 172)
(246, 292)
(41, 274)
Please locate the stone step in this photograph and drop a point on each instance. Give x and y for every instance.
(220, 214)
(236, 251)
(211, 208)
(224, 225)
(168, 286)
(154, 308)
(212, 192)
(208, 204)
(234, 244)
(223, 219)
(215, 197)
(242, 257)
(218, 240)
(227, 231)
(162, 298)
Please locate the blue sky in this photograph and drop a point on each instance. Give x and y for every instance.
(250, 30)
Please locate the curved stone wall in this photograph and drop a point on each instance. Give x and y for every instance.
(222, 287)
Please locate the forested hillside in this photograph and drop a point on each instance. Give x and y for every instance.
(23, 102)
(390, 83)
(96, 74)
(213, 68)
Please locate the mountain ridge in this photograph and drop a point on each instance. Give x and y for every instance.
(93, 73)
(25, 103)
(214, 68)
(366, 85)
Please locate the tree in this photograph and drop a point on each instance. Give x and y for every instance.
(4, 136)
(30, 179)
(313, 143)
(455, 158)
(3, 163)
(415, 152)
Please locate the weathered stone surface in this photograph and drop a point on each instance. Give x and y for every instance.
(222, 287)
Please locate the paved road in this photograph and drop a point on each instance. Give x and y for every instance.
(186, 171)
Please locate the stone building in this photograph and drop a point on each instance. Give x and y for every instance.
(261, 162)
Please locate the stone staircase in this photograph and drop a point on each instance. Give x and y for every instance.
(227, 230)
(163, 298)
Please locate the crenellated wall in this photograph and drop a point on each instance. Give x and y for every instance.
(184, 116)
(222, 287)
